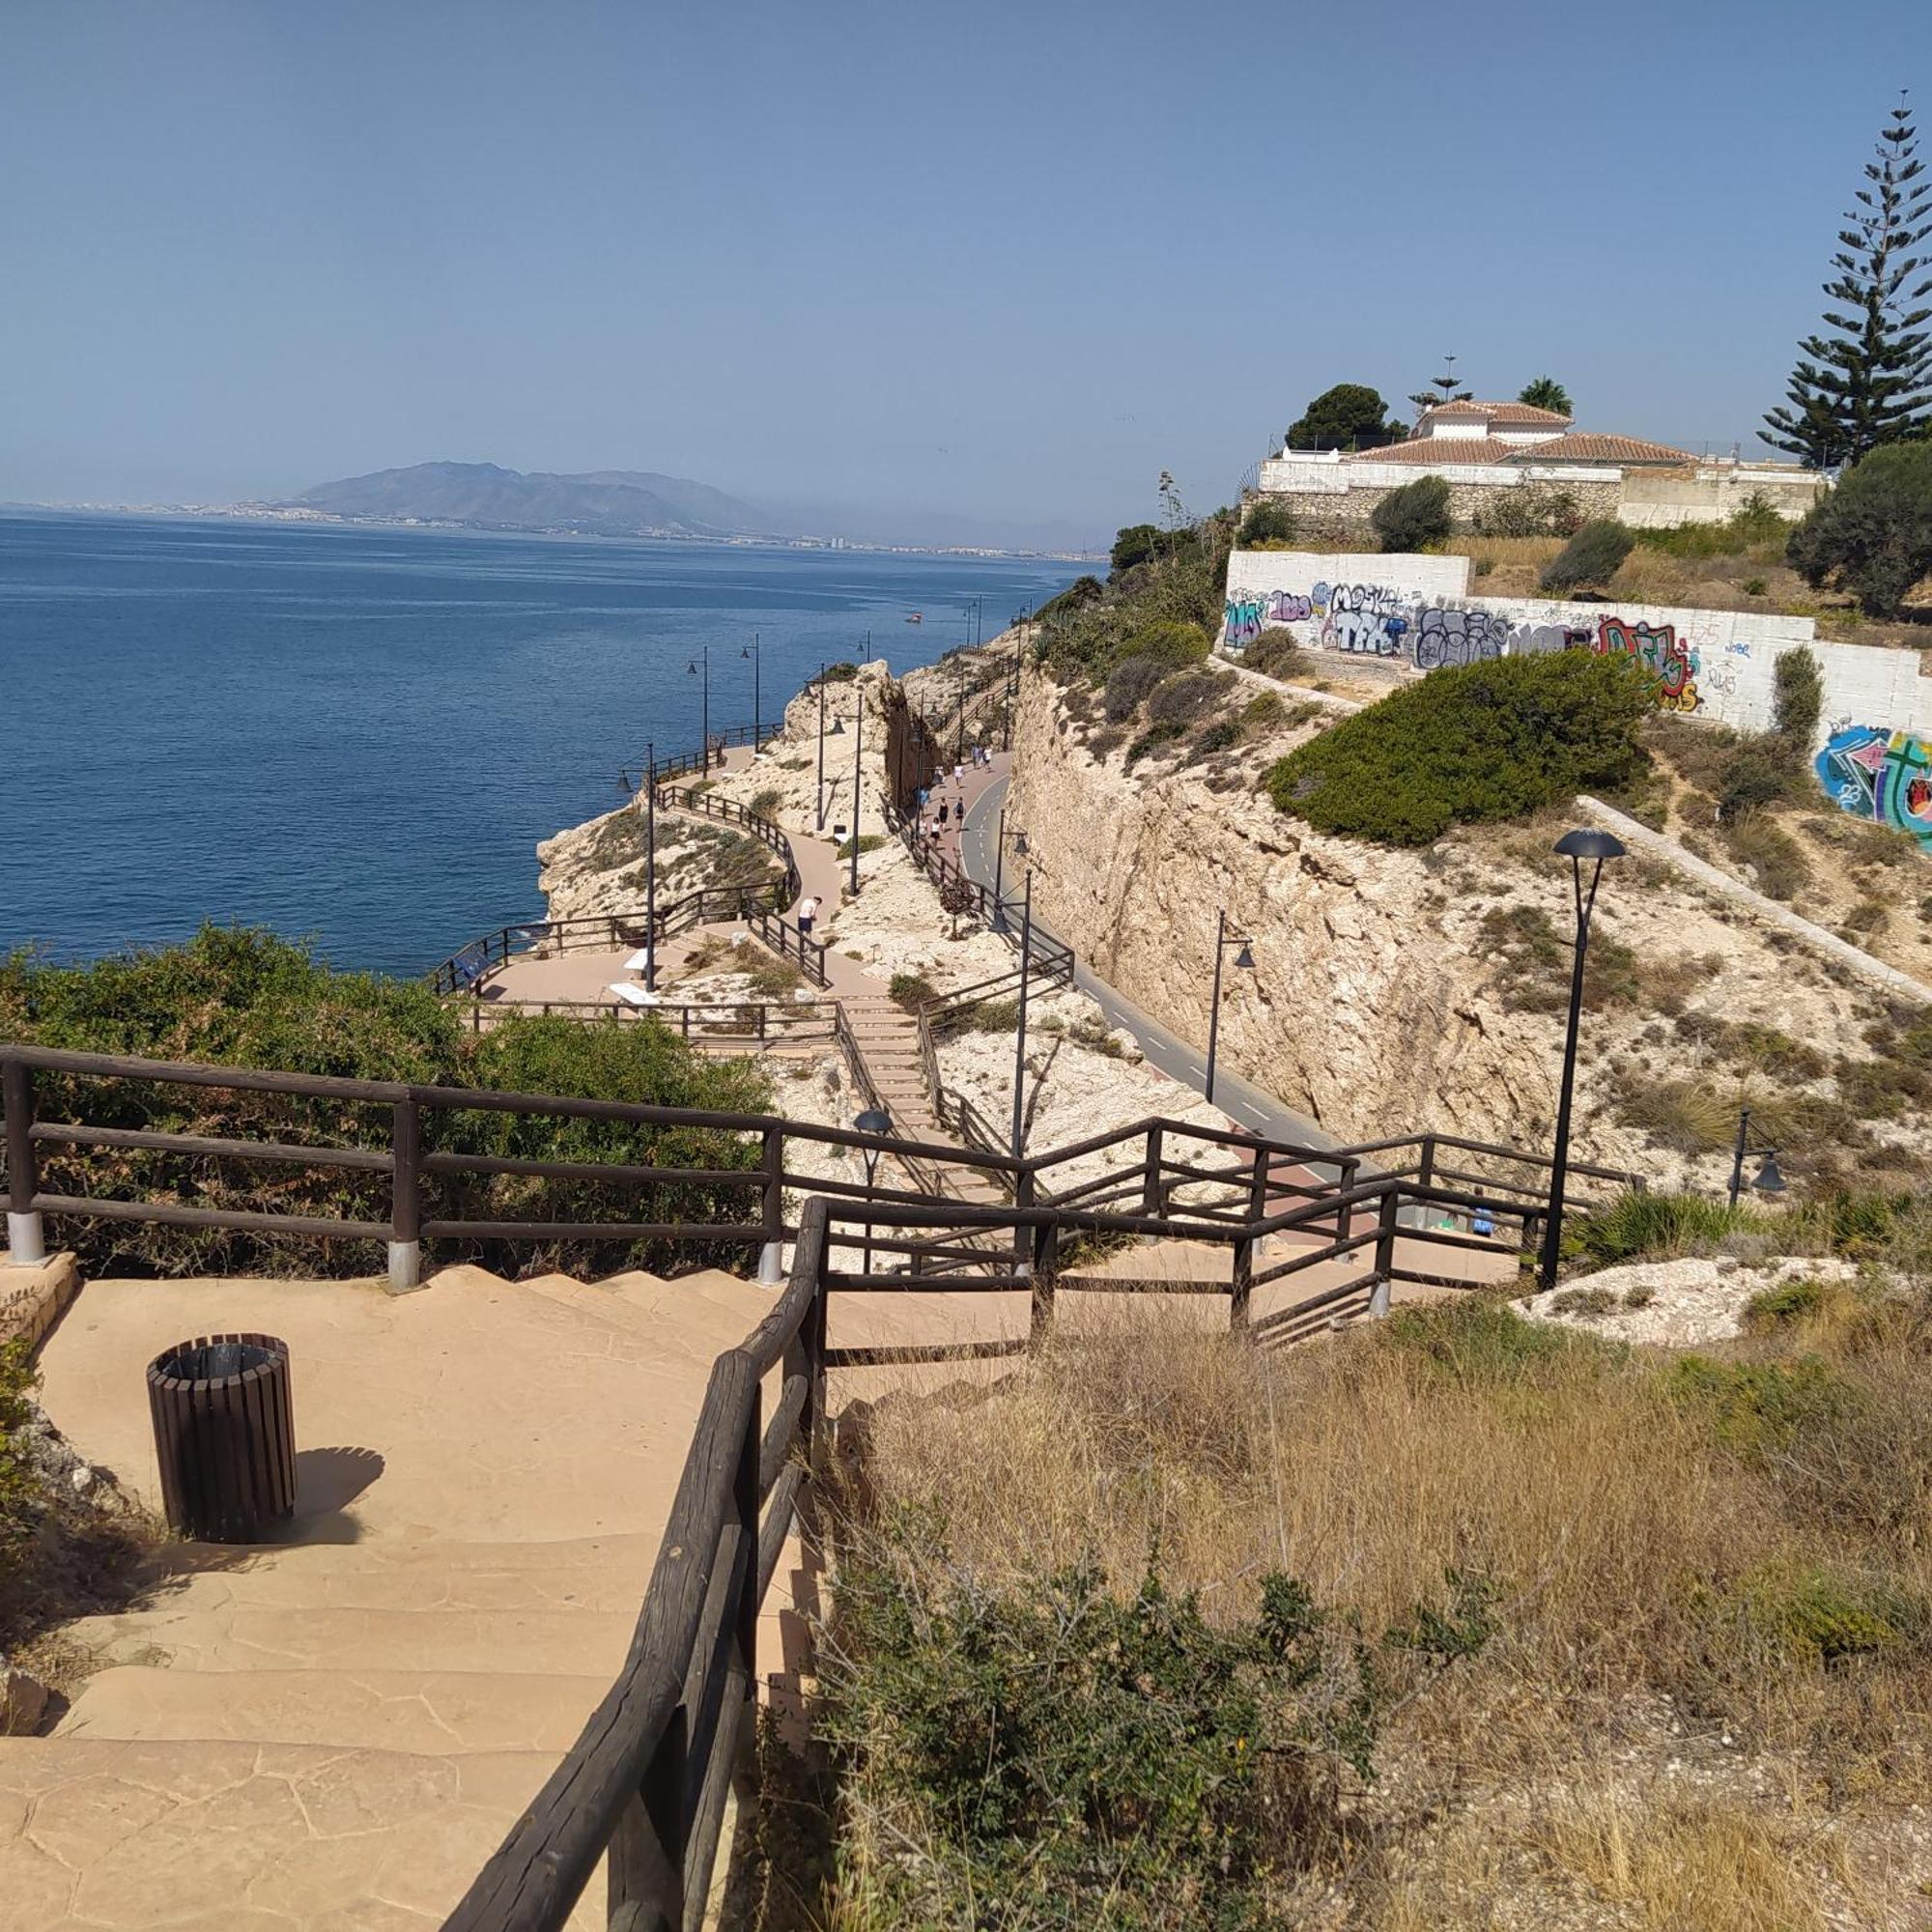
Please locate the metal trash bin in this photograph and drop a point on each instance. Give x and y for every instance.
(225, 1436)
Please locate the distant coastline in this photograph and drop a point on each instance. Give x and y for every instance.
(297, 515)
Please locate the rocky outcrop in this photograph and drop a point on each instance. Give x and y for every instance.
(1379, 1002)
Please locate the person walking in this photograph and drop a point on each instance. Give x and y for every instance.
(807, 911)
(943, 808)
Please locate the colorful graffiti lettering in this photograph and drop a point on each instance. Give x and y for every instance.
(1536, 641)
(1458, 637)
(1285, 607)
(1674, 666)
(1365, 620)
(1242, 616)
(1880, 774)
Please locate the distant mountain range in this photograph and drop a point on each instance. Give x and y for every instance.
(602, 502)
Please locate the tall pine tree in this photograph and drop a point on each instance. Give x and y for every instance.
(1871, 380)
(1441, 389)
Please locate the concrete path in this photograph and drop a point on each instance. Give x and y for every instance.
(335, 1730)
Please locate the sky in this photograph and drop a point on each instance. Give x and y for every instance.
(1001, 264)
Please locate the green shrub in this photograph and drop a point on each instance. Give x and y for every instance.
(1873, 533)
(1650, 1226)
(1469, 744)
(765, 804)
(1066, 1757)
(1533, 963)
(1477, 1343)
(913, 990)
(869, 841)
(1276, 654)
(1592, 557)
(1789, 1303)
(1221, 736)
(245, 998)
(1760, 1409)
(1129, 685)
(1184, 700)
(1413, 516)
(1169, 642)
(1797, 699)
(1081, 592)
(841, 673)
(1757, 840)
(1757, 772)
(1818, 1616)
(1270, 525)
(1529, 512)
(1263, 711)
(1754, 523)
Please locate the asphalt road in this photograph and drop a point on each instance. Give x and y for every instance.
(1241, 1100)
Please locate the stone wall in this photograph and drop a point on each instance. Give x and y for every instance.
(1328, 493)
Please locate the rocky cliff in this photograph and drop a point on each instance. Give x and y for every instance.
(1395, 990)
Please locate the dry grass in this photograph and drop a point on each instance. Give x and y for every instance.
(1669, 1563)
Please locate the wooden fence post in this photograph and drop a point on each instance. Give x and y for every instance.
(771, 1208)
(1151, 1189)
(1385, 1232)
(1243, 1272)
(1425, 1168)
(26, 1231)
(1345, 1220)
(405, 1198)
(645, 1861)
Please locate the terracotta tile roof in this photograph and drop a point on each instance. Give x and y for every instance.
(1594, 446)
(1501, 416)
(1438, 451)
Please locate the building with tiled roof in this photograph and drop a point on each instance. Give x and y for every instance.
(1480, 447)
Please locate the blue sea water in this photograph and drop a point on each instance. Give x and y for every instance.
(360, 735)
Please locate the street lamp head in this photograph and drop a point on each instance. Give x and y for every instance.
(746, 652)
(874, 1120)
(836, 729)
(1020, 846)
(691, 668)
(1245, 957)
(1584, 843)
(1768, 1180)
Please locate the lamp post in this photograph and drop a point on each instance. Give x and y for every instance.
(704, 726)
(873, 1121)
(1025, 973)
(1013, 681)
(651, 867)
(999, 870)
(1575, 846)
(858, 744)
(1768, 1180)
(1244, 958)
(820, 794)
(758, 658)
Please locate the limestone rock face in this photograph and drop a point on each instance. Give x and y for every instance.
(1378, 1004)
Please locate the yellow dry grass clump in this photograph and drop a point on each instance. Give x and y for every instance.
(1711, 1661)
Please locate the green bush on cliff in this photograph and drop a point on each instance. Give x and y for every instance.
(1483, 741)
(245, 998)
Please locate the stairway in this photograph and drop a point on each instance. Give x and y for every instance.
(335, 1732)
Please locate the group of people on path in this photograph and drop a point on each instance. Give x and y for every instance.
(949, 811)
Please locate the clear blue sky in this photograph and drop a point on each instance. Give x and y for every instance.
(1008, 260)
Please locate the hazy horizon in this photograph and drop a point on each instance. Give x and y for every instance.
(979, 272)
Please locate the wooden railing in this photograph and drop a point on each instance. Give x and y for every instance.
(715, 1025)
(646, 1785)
(647, 1781)
(1052, 958)
(679, 764)
(468, 968)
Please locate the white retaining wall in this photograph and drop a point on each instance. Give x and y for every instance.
(1417, 610)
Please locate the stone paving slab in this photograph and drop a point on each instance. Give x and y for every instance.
(96, 1836)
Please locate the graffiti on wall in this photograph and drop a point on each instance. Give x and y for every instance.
(1444, 637)
(1367, 620)
(1880, 774)
(1364, 619)
(1674, 665)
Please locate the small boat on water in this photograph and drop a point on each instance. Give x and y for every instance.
(917, 617)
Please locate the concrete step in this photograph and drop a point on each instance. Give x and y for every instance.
(261, 1636)
(625, 1553)
(431, 1712)
(106, 1834)
(606, 1587)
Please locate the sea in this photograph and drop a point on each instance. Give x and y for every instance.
(356, 736)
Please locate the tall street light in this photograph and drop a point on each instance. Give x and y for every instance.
(758, 659)
(704, 727)
(651, 867)
(999, 869)
(1575, 846)
(1013, 681)
(820, 794)
(1244, 958)
(1025, 973)
(873, 1121)
(858, 745)
(1768, 1180)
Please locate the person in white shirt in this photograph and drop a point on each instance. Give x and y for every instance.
(807, 911)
